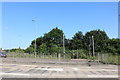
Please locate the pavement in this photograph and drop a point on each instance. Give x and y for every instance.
(14, 69)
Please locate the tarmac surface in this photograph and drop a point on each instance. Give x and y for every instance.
(46, 68)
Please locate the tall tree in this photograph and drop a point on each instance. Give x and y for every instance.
(43, 48)
(77, 41)
(113, 46)
(100, 40)
(54, 36)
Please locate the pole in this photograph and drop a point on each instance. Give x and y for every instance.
(90, 43)
(35, 41)
(98, 58)
(77, 53)
(89, 52)
(93, 47)
(63, 44)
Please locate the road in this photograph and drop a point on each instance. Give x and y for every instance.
(20, 69)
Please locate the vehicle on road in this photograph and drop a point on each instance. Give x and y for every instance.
(2, 54)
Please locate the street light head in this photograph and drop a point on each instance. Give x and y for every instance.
(33, 20)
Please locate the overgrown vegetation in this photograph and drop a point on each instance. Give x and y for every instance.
(80, 46)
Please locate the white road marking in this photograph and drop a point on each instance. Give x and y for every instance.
(88, 67)
(108, 70)
(14, 74)
(51, 69)
(75, 69)
(103, 76)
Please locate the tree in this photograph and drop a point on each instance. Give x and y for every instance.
(53, 39)
(52, 42)
(77, 41)
(39, 41)
(113, 46)
(53, 48)
(43, 48)
(29, 50)
(50, 39)
(54, 36)
(100, 40)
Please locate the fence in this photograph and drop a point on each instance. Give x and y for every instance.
(105, 58)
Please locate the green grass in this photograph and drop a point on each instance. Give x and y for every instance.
(111, 59)
(103, 58)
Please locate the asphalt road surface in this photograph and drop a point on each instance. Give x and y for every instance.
(28, 68)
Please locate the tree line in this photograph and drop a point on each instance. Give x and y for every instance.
(52, 42)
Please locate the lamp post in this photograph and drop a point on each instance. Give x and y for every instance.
(33, 20)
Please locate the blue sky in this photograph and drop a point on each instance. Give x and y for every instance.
(19, 30)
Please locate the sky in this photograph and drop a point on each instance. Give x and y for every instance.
(18, 29)
(119, 20)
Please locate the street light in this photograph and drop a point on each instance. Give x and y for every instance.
(33, 20)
